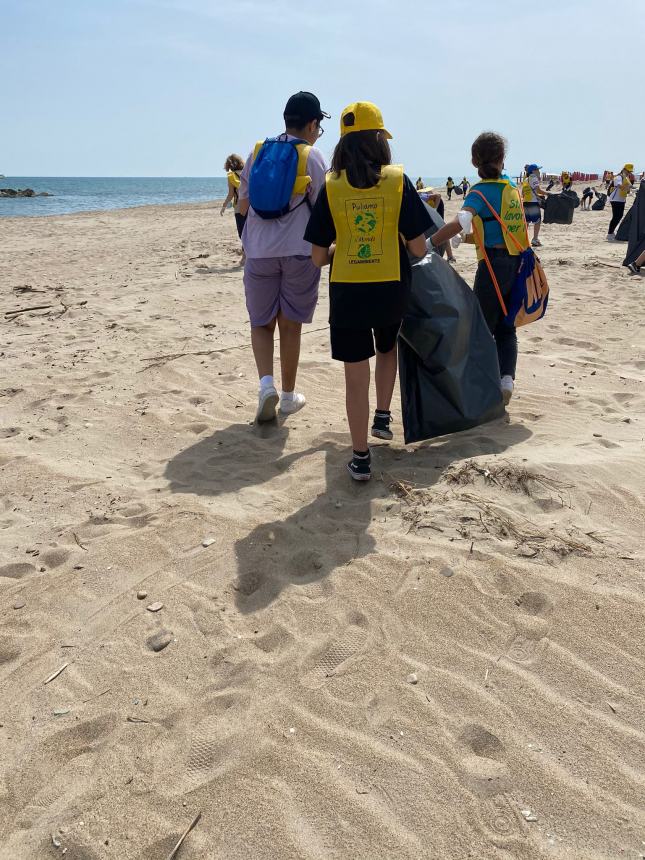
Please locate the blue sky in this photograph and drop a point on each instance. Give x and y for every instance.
(170, 87)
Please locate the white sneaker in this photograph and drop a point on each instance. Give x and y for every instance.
(292, 404)
(507, 389)
(267, 402)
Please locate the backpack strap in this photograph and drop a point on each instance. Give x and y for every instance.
(499, 220)
(493, 277)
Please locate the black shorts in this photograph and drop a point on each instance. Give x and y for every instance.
(357, 344)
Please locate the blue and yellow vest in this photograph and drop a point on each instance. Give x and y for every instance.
(512, 216)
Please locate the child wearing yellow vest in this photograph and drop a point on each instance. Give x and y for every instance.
(233, 166)
(488, 154)
(363, 221)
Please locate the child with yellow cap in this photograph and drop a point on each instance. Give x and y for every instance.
(621, 186)
(364, 221)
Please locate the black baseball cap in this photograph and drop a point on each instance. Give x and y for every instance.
(305, 107)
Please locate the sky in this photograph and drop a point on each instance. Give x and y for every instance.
(171, 87)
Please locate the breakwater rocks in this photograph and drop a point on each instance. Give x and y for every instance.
(23, 192)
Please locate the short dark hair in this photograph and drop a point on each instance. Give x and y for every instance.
(361, 154)
(488, 152)
(297, 123)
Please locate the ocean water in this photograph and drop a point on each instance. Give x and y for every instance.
(87, 194)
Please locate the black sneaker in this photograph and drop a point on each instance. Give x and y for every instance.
(381, 425)
(359, 466)
(634, 269)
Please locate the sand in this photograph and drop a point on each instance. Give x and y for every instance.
(448, 662)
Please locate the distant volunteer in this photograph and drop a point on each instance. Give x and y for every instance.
(450, 187)
(234, 165)
(565, 179)
(621, 185)
(495, 193)
(465, 185)
(587, 198)
(531, 194)
(364, 221)
(279, 183)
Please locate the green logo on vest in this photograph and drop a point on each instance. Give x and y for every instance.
(364, 252)
(365, 223)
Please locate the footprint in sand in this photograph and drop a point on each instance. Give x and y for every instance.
(204, 744)
(351, 642)
(57, 770)
(16, 570)
(531, 628)
(484, 772)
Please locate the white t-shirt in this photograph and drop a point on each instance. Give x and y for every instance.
(619, 194)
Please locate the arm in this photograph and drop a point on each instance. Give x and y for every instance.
(323, 256)
(229, 197)
(446, 233)
(417, 246)
(243, 191)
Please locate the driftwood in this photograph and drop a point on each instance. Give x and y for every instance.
(192, 824)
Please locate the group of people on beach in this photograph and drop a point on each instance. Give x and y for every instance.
(365, 220)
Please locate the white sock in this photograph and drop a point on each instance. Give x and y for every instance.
(288, 395)
(266, 382)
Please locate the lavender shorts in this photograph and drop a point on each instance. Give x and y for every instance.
(287, 284)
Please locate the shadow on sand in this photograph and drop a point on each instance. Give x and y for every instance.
(331, 530)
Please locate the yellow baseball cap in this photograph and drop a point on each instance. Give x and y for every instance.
(362, 116)
(629, 167)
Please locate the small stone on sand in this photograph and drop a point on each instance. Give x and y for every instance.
(155, 607)
(160, 640)
(141, 595)
(208, 541)
(18, 604)
(447, 571)
(412, 678)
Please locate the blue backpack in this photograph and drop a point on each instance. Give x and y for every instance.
(278, 173)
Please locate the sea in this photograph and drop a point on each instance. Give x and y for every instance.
(91, 194)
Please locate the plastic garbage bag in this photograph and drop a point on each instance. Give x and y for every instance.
(449, 373)
(558, 209)
(599, 204)
(572, 195)
(622, 233)
(636, 244)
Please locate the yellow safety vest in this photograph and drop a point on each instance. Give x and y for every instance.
(625, 187)
(303, 181)
(233, 179)
(512, 217)
(367, 227)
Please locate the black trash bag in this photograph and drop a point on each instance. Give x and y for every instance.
(636, 244)
(622, 233)
(448, 368)
(574, 197)
(599, 204)
(458, 190)
(558, 209)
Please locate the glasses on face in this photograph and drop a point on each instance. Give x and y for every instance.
(321, 131)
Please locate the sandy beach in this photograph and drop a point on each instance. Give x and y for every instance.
(446, 663)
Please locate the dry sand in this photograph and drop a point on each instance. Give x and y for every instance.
(502, 567)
